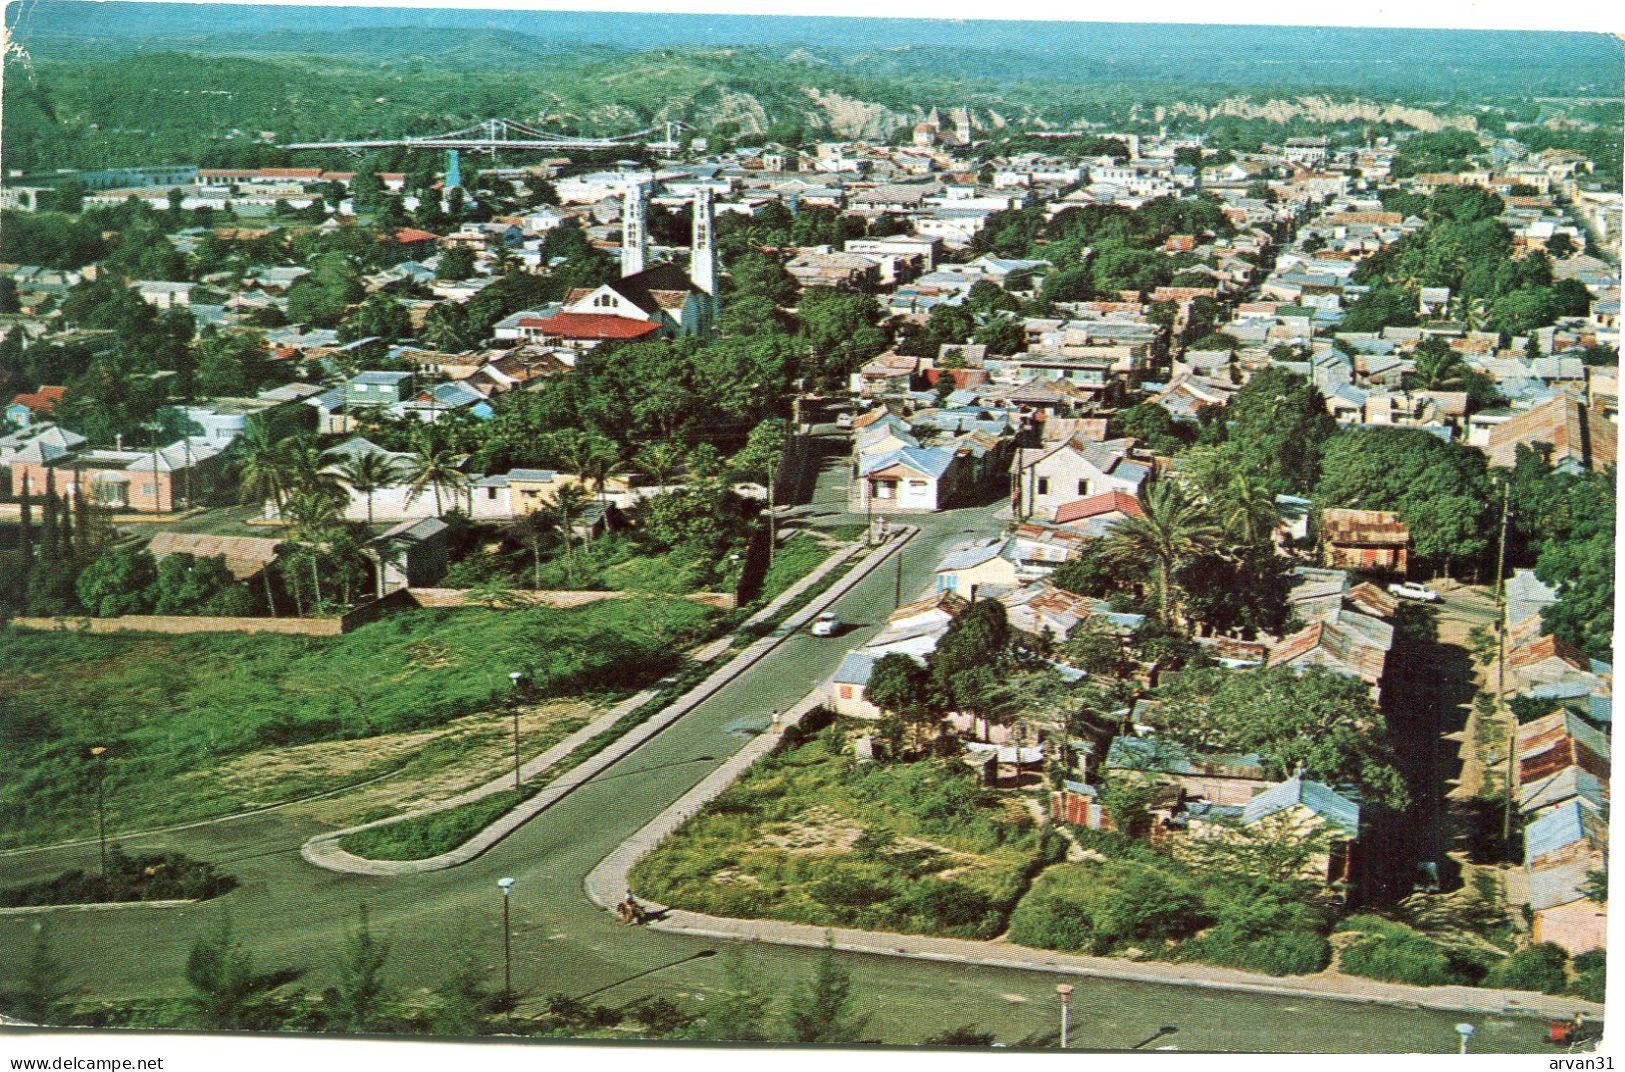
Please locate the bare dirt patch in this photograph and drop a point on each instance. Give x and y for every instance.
(821, 829)
(432, 764)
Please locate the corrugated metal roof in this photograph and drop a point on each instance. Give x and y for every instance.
(1553, 831)
(854, 669)
(1323, 800)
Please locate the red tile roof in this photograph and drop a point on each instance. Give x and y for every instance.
(42, 401)
(1106, 502)
(594, 326)
(407, 235)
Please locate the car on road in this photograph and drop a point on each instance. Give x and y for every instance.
(843, 420)
(826, 624)
(1412, 590)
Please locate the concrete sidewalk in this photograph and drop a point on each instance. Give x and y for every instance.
(607, 884)
(324, 849)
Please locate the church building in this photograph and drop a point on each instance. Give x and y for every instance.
(659, 300)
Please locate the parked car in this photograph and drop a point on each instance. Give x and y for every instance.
(1412, 590)
(843, 420)
(826, 624)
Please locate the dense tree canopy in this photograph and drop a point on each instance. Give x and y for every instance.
(1440, 489)
(1319, 718)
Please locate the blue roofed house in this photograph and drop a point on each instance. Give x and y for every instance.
(1323, 821)
(433, 402)
(913, 478)
(1562, 848)
(990, 566)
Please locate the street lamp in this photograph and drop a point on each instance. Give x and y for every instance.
(507, 943)
(1466, 1032)
(100, 753)
(1160, 1033)
(513, 702)
(1065, 990)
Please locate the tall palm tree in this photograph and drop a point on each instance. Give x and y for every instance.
(366, 474)
(262, 468)
(1246, 509)
(1174, 528)
(435, 468)
(308, 467)
(563, 510)
(659, 461)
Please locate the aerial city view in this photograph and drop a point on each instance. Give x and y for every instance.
(806, 531)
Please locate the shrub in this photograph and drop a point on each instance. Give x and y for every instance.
(167, 877)
(1103, 908)
(1262, 930)
(1590, 975)
(1537, 967)
(1398, 954)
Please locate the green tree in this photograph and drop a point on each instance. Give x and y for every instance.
(1438, 367)
(362, 996)
(821, 1009)
(1154, 426)
(367, 474)
(1173, 528)
(461, 1000)
(1441, 491)
(1278, 428)
(739, 1010)
(1541, 967)
(455, 263)
(436, 468)
(119, 582)
(379, 316)
(40, 996)
(1319, 718)
(226, 993)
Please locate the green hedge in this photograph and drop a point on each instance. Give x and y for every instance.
(166, 877)
(1396, 953)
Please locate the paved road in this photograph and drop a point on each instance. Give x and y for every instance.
(289, 912)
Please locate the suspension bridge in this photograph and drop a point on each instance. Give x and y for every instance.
(494, 135)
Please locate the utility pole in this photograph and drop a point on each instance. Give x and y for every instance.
(1501, 667)
(100, 753)
(897, 595)
(513, 702)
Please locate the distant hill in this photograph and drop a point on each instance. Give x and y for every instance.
(1347, 59)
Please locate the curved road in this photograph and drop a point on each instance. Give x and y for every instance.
(289, 912)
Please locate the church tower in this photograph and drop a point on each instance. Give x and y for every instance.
(702, 258)
(634, 230)
(702, 261)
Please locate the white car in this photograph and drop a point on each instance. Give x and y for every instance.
(1411, 590)
(843, 420)
(825, 624)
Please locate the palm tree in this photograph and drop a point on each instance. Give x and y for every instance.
(435, 468)
(262, 468)
(366, 474)
(1173, 529)
(1246, 509)
(314, 512)
(659, 460)
(1438, 368)
(563, 510)
(308, 467)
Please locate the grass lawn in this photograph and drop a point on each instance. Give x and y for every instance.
(796, 558)
(168, 707)
(811, 835)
